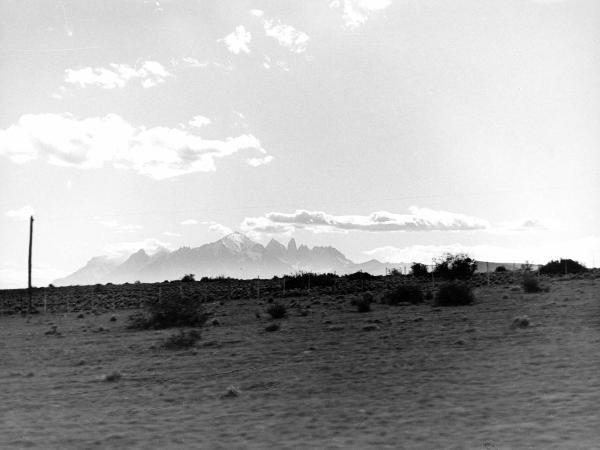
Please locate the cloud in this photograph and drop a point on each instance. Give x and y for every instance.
(255, 162)
(238, 40)
(119, 227)
(149, 74)
(150, 245)
(189, 222)
(158, 152)
(171, 234)
(419, 219)
(218, 228)
(287, 36)
(199, 121)
(21, 214)
(581, 249)
(257, 12)
(356, 12)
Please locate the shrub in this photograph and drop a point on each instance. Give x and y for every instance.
(172, 310)
(530, 283)
(305, 280)
(419, 270)
(459, 266)
(277, 311)
(360, 275)
(454, 293)
(181, 340)
(407, 293)
(561, 266)
(500, 269)
(363, 304)
(188, 278)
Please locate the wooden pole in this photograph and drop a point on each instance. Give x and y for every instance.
(29, 262)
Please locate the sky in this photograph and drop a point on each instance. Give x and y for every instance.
(396, 130)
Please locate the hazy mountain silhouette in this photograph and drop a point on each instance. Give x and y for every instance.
(235, 255)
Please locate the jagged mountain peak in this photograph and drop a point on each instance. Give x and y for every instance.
(237, 241)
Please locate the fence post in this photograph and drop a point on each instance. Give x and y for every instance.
(258, 288)
(45, 300)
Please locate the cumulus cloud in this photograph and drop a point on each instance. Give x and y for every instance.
(581, 249)
(20, 214)
(149, 74)
(356, 12)
(419, 219)
(286, 35)
(238, 40)
(158, 152)
(255, 162)
(189, 222)
(218, 228)
(199, 121)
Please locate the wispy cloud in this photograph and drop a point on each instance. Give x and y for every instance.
(171, 234)
(419, 219)
(120, 227)
(158, 152)
(218, 228)
(238, 40)
(356, 12)
(188, 222)
(121, 249)
(20, 214)
(149, 74)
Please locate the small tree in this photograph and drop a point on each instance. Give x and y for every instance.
(561, 266)
(419, 270)
(188, 278)
(500, 269)
(459, 266)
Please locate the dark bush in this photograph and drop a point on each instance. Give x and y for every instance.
(562, 266)
(530, 283)
(277, 311)
(407, 293)
(360, 275)
(459, 266)
(419, 270)
(454, 293)
(181, 340)
(500, 269)
(172, 309)
(217, 278)
(363, 304)
(188, 278)
(306, 280)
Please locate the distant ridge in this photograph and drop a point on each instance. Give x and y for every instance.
(235, 255)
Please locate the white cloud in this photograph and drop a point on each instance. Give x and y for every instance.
(150, 245)
(21, 214)
(191, 62)
(356, 12)
(255, 162)
(171, 234)
(218, 228)
(257, 12)
(287, 36)
(189, 222)
(120, 227)
(159, 152)
(150, 73)
(582, 249)
(199, 121)
(419, 219)
(238, 40)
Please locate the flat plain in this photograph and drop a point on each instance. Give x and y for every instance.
(407, 376)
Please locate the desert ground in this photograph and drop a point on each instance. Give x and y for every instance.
(407, 376)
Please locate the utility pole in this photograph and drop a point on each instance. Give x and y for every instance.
(29, 262)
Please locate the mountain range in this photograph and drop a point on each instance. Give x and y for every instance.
(235, 255)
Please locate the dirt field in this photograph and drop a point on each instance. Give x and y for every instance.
(396, 377)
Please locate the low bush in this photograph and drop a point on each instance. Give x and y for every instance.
(500, 269)
(530, 283)
(562, 266)
(277, 311)
(451, 267)
(360, 275)
(419, 270)
(181, 340)
(306, 280)
(171, 310)
(188, 278)
(363, 304)
(454, 293)
(407, 293)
